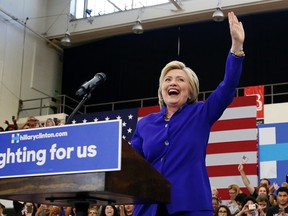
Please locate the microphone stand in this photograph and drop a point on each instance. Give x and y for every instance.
(80, 205)
(84, 99)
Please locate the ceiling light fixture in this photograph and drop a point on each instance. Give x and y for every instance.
(218, 15)
(66, 41)
(138, 28)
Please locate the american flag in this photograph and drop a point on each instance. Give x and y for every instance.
(233, 140)
(129, 118)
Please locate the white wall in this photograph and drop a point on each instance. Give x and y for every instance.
(29, 68)
(276, 113)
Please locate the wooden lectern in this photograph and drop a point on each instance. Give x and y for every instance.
(136, 182)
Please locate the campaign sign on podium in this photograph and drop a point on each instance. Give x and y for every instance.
(79, 148)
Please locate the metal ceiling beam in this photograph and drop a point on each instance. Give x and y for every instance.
(114, 5)
(176, 4)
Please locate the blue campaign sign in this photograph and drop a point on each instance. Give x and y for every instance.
(78, 148)
(273, 151)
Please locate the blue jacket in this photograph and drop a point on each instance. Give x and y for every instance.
(177, 149)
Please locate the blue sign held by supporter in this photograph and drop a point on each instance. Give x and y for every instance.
(79, 148)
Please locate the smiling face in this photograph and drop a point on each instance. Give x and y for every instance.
(262, 190)
(186, 76)
(175, 88)
(109, 210)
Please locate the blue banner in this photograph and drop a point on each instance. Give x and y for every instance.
(273, 152)
(78, 148)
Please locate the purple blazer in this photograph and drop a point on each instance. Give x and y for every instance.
(177, 149)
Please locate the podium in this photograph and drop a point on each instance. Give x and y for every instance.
(136, 182)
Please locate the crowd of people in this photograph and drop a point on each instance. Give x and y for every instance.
(33, 209)
(31, 122)
(264, 200)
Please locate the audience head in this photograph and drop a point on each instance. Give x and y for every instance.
(109, 210)
(10, 127)
(54, 210)
(214, 192)
(263, 189)
(223, 210)
(265, 181)
(282, 196)
(282, 189)
(234, 190)
(248, 201)
(263, 202)
(215, 203)
(240, 199)
(58, 122)
(49, 122)
(128, 209)
(92, 211)
(32, 122)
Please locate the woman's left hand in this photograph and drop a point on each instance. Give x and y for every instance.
(237, 33)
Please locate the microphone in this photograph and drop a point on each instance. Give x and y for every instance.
(89, 86)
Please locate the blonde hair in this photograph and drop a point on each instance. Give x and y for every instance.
(49, 119)
(214, 189)
(236, 188)
(193, 81)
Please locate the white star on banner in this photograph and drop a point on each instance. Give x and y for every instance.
(128, 117)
